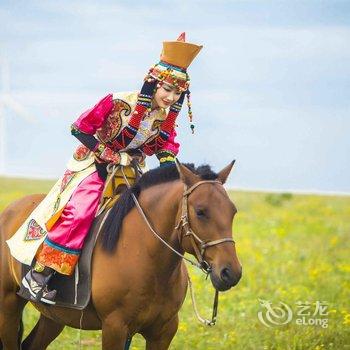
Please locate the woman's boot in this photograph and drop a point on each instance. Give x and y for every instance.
(35, 282)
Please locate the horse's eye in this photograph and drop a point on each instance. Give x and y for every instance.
(200, 213)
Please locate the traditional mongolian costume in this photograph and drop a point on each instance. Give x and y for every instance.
(118, 124)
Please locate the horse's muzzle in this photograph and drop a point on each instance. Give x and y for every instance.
(225, 278)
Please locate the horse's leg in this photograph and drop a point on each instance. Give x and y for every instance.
(114, 332)
(44, 332)
(11, 326)
(160, 338)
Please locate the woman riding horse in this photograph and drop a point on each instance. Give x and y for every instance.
(146, 281)
(119, 127)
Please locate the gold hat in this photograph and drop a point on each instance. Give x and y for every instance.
(179, 53)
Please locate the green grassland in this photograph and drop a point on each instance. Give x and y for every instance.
(293, 248)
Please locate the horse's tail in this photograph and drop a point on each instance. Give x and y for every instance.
(112, 226)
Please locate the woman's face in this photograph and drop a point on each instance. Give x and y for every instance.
(165, 96)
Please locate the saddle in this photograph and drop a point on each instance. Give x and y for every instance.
(74, 291)
(115, 185)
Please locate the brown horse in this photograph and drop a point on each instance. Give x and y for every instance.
(139, 284)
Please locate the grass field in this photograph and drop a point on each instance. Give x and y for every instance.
(293, 248)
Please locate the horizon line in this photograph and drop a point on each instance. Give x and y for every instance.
(231, 188)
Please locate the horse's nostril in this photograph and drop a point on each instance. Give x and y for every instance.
(225, 274)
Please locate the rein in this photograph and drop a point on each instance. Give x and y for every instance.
(184, 226)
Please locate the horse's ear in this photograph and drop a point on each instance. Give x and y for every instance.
(224, 173)
(186, 175)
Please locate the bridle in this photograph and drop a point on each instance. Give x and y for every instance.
(184, 228)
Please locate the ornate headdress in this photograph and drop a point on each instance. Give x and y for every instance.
(175, 58)
(174, 61)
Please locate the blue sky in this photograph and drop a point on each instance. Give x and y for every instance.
(271, 87)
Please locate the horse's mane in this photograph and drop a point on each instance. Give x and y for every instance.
(169, 173)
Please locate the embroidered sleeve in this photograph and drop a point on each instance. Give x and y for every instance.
(93, 118)
(169, 151)
(87, 124)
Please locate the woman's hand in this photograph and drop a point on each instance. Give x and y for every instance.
(140, 158)
(125, 159)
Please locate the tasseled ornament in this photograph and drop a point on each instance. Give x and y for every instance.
(190, 115)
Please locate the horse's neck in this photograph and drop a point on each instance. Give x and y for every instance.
(162, 205)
